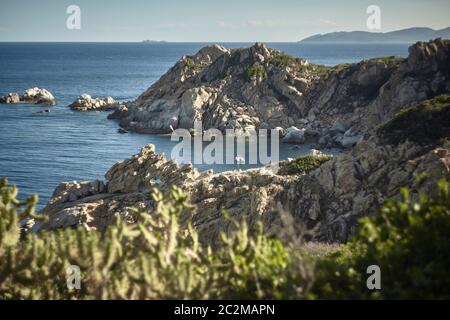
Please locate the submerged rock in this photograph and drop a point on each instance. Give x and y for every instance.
(33, 95)
(43, 111)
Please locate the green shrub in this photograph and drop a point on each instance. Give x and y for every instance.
(228, 73)
(255, 71)
(422, 123)
(391, 60)
(158, 257)
(284, 60)
(408, 240)
(303, 165)
(155, 258)
(191, 65)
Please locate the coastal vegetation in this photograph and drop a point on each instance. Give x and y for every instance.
(192, 65)
(303, 165)
(300, 65)
(391, 60)
(423, 123)
(159, 257)
(285, 60)
(255, 71)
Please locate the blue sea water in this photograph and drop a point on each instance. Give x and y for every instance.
(38, 151)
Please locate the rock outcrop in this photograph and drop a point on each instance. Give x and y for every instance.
(259, 87)
(95, 204)
(356, 107)
(33, 95)
(86, 103)
(222, 88)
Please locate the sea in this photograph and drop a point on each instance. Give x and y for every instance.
(38, 151)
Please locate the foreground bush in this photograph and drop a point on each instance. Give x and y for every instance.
(408, 240)
(159, 258)
(155, 258)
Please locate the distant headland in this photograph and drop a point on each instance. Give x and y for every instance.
(154, 41)
(410, 35)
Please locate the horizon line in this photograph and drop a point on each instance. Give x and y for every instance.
(215, 42)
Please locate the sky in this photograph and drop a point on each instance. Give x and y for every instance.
(209, 20)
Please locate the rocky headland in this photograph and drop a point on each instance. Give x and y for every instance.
(32, 95)
(259, 87)
(392, 115)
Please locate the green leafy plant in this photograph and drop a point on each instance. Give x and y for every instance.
(422, 123)
(160, 256)
(285, 60)
(303, 165)
(156, 258)
(391, 60)
(409, 240)
(192, 65)
(228, 73)
(255, 71)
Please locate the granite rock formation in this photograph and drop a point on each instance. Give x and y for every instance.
(32, 95)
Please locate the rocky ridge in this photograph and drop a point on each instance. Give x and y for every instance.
(259, 87)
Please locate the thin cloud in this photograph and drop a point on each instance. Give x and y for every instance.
(172, 25)
(261, 24)
(328, 22)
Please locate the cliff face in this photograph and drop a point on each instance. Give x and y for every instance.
(339, 104)
(259, 87)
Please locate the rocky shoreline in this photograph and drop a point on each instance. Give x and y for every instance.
(355, 107)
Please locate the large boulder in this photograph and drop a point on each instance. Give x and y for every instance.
(38, 96)
(12, 98)
(294, 135)
(32, 95)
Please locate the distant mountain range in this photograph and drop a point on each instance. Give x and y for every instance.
(405, 35)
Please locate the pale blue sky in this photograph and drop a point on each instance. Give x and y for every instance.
(214, 21)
